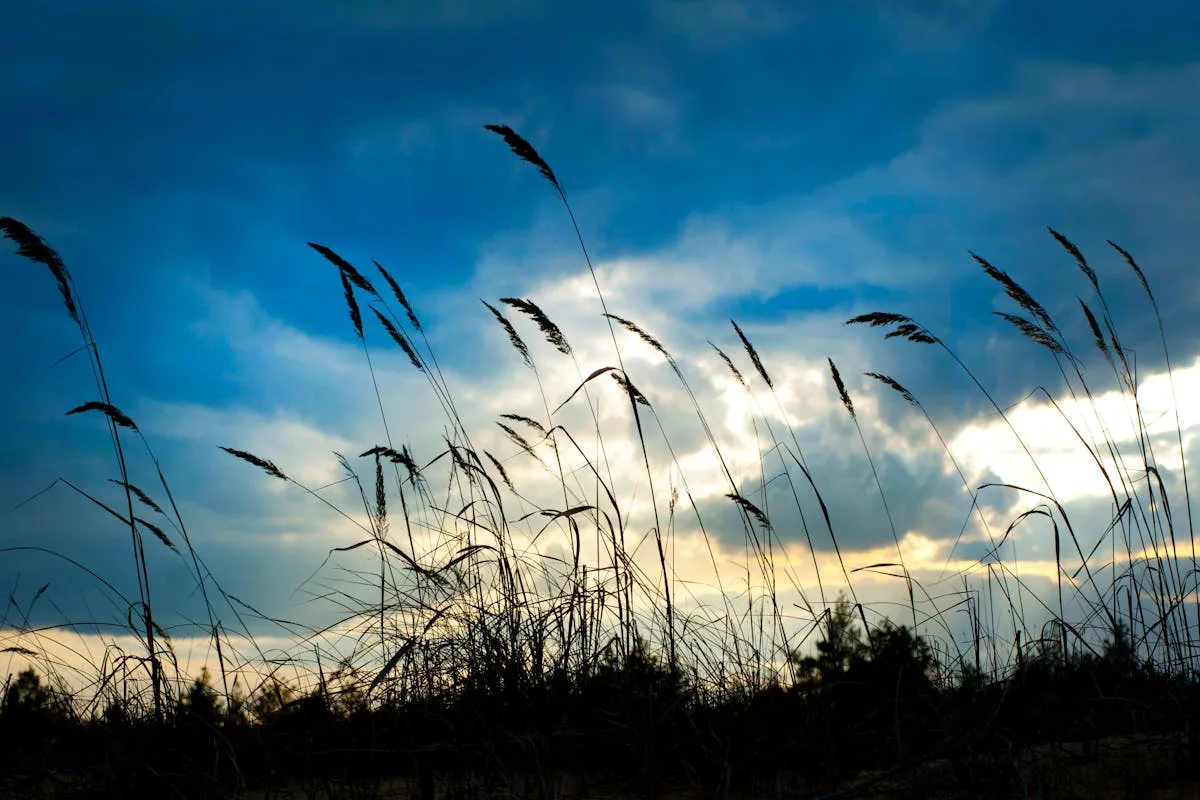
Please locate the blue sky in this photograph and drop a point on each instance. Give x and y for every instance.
(783, 164)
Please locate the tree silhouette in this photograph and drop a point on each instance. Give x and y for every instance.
(840, 645)
(27, 694)
(201, 699)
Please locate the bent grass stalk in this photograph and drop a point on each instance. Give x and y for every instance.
(478, 620)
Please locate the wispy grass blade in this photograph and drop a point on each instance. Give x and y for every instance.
(1032, 331)
(637, 331)
(729, 363)
(346, 268)
(525, 151)
(1017, 292)
(1070, 247)
(399, 293)
(750, 351)
(352, 305)
(750, 508)
(1136, 270)
(517, 342)
(108, 410)
(895, 386)
(841, 388)
(903, 327)
(33, 247)
(399, 338)
(157, 531)
(627, 386)
(138, 493)
(551, 331)
(261, 463)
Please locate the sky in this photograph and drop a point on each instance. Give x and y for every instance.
(785, 165)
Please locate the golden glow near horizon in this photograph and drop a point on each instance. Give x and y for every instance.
(74, 657)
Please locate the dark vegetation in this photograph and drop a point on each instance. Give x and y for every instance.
(481, 669)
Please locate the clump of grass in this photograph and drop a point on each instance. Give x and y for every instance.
(470, 657)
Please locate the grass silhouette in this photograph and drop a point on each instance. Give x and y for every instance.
(479, 668)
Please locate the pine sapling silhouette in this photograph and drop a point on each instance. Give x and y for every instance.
(841, 644)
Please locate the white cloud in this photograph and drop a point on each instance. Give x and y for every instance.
(298, 447)
(1071, 472)
(812, 241)
(816, 241)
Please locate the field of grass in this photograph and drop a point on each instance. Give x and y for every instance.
(497, 641)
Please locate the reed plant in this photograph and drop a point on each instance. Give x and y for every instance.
(513, 640)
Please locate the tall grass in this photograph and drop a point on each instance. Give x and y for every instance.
(507, 635)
